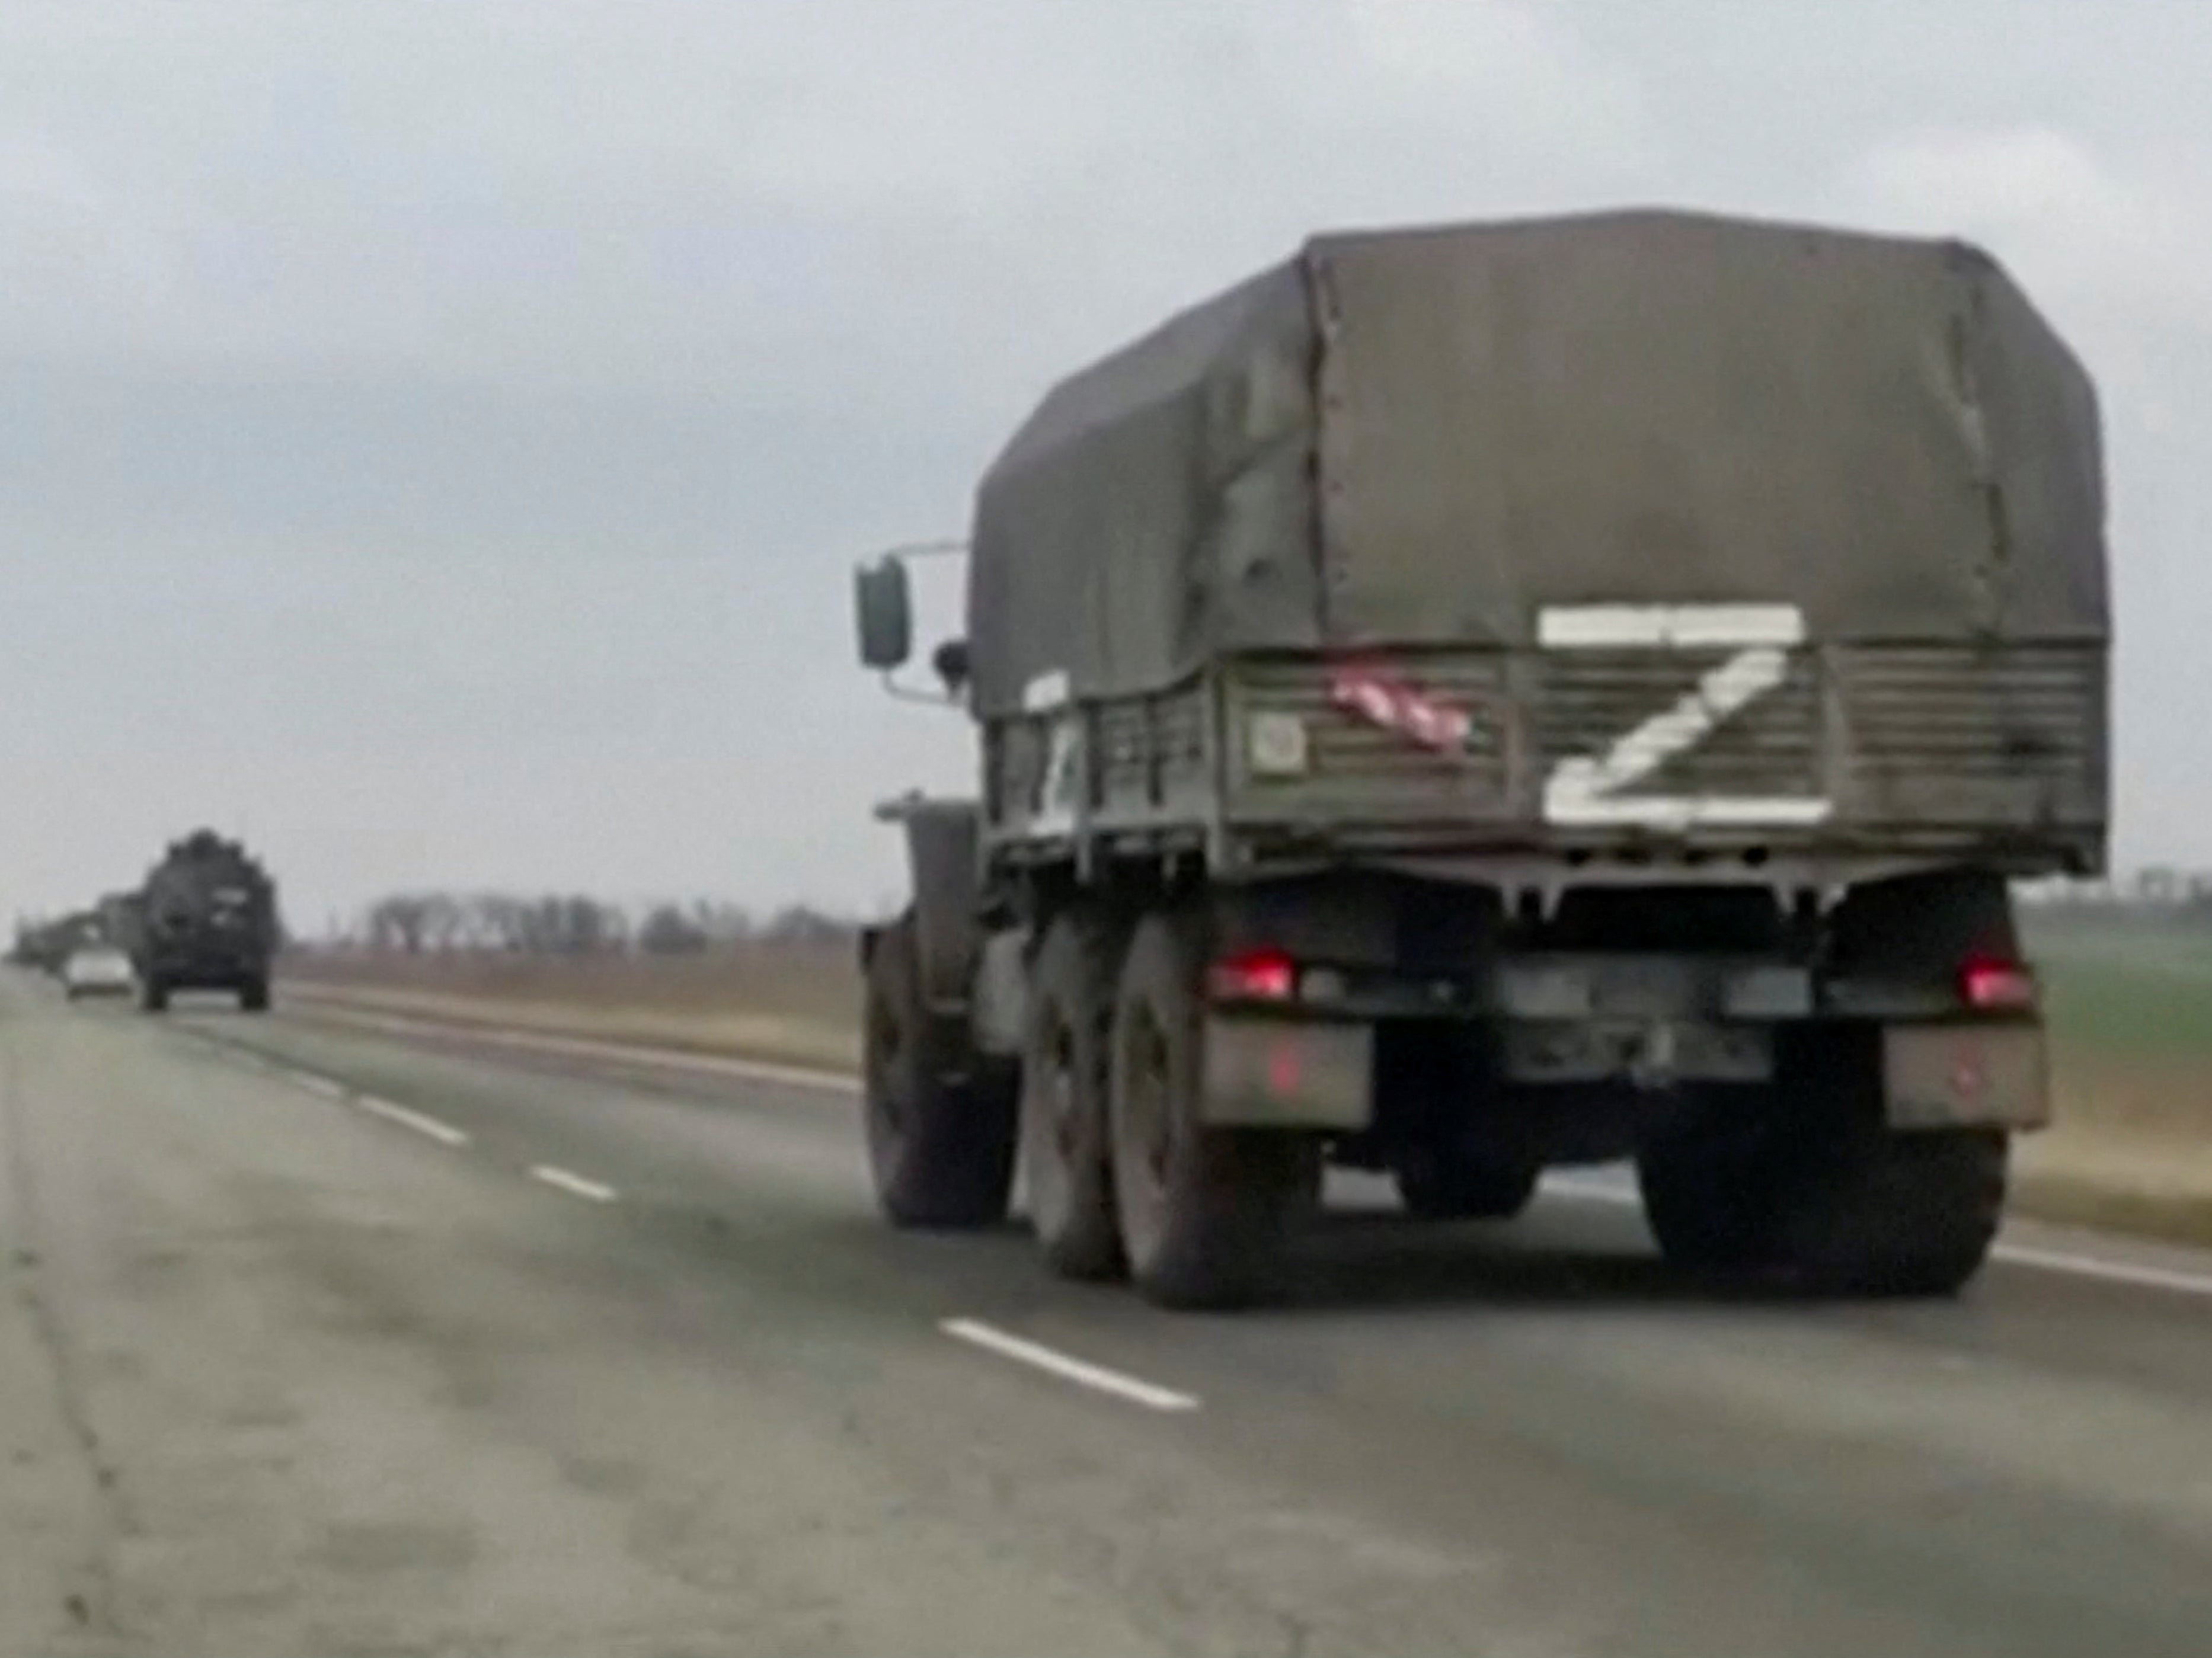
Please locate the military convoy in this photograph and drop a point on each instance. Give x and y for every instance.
(1477, 699)
(46, 946)
(204, 919)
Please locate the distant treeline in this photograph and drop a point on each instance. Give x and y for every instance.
(425, 923)
(2157, 892)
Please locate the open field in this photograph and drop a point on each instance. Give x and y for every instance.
(798, 1003)
(2131, 1011)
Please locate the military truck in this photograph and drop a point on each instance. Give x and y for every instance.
(122, 920)
(205, 920)
(47, 945)
(1475, 699)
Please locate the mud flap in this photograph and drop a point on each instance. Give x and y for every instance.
(1965, 1076)
(1282, 1073)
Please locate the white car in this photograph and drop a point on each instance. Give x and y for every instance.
(97, 970)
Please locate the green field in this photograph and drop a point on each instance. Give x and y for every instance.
(2131, 1011)
(2142, 991)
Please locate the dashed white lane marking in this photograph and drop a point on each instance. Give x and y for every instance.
(574, 1185)
(330, 1088)
(2141, 1277)
(444, 1132)
(1082, 1372)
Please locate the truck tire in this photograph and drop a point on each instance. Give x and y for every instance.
(1712, 1199)
(153, 996)
(253, 997)
(1447, 1182)
(1886, 1213)
(1205, 1213)
(940, 1143)
(1066, 1147)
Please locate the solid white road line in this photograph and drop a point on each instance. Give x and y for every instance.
(444, 1132)
(575, 1185)
(2141, 1277)
(1069, 1369)
(1591, 1190)
(2109, 1272)
(329, 1088)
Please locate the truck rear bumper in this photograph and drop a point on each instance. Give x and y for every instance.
(1265, 1071)
(1649, 1054)
(200, 973)
(1965, 1075)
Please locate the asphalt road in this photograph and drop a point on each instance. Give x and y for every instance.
(366, 1346)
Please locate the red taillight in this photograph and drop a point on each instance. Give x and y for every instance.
(1256, 975)
(1997, 987)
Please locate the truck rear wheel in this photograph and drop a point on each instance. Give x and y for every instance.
(253, 997)
(153, 996)
(1887, 1213)
(1205, 1213)
(1712, 1198)
(940, 1143)
(1066, 1150)
(1832, 1199)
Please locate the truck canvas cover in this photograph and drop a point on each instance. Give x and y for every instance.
(1426, 438)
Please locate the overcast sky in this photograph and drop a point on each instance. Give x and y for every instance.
(434, 434)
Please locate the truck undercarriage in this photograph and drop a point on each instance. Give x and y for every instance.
(1827, 1096)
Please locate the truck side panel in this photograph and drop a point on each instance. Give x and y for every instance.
(1134, 765)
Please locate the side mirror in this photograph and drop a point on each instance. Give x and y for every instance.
(883, 609)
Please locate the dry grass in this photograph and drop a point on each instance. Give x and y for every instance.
(2132, 1043)
(810, 979)
(796, 1003)
(2131, 1147)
